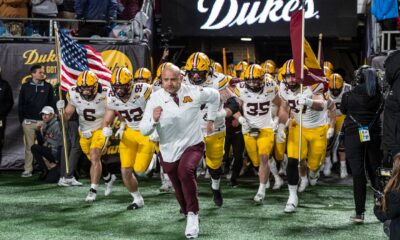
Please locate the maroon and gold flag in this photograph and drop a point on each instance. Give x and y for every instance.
(313, 73)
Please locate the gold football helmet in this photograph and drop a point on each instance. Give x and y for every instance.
(254, 78)
(87, 85)
(121, 82)
(142, 75)
(240, 67)
(335, 84)
(198, 67)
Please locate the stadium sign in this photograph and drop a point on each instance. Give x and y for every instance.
(257, 18)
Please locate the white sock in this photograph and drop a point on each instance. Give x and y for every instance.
(166, 177)
(328, 160)
(305, 179)
(261, 189)
(215, 183)
(343, 164)
(94, 186)
(292, 190)
(136, 195)
(273, 168)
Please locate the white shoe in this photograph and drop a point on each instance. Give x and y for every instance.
(313, 178)
(291, 204)
(136, 203)
(109, 185)
(26, 174)
(343, 172)
(73, 182)
(278, 183)
(192, 225)
(303, 185)
(327, 167)
(259, 198)
(62, 182)
(267, 185)
(166, 186)
(91, 197)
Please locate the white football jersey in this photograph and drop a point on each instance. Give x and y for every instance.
(132, 110)
(311, 118)
(257, 106)
(90, 113)
(219, 82)
(337, 100)
(156, 85)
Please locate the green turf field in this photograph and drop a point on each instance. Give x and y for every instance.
(32, 210)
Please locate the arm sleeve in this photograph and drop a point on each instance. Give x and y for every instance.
(147, 124)
(21, 103)
(210, 97)
(112, 9)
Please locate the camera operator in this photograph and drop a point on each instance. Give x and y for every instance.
(391, 115)
(389, 206)
(362, 134)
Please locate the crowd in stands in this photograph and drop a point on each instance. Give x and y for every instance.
(105, 10)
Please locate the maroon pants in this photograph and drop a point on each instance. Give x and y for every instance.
(182, 174)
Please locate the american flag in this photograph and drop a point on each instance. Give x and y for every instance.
(76, 58)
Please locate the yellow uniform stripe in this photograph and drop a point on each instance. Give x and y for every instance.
(147, 93)
(223, 82)
(237, 92)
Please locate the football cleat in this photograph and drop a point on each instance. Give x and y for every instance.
(217, 197)
(327, 167)
(303, 185)
(166, 186)
(136, 204)
(192, 225)
(109, 185)
(278, 183)
(63, 182)
(259, 198)
(91, 197)
(291, 204)
(343, 172)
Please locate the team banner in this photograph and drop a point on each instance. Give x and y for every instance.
(240, 18)
(16, 59)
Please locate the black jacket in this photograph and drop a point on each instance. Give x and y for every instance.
(32, 98)
(6, 98)
(363, 108)
(392, 213)
(391, 115)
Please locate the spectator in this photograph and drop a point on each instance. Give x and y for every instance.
(50, 133)
(34, 95)
(362, 107)
(95, 10)
(44, 9)
(391, 115)
(388, 209)
(14, 8)
(7, 101)
(66, 10)
(129, 9)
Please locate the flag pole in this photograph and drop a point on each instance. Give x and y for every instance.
(320, 47)
(60, 96)
(224, 60)
(248, 55)
(301, 79)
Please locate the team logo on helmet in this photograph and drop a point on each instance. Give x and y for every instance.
(142, 75)
(335, 84)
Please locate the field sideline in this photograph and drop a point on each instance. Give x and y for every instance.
(32, 210)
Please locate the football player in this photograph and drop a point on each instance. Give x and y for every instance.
(270, 67)
(129, 99)
(256, 96)
(143, 75)
(239, 69)
(314, 107)
(200, 72)
(88, 98)
(337, 87)
(217, 67)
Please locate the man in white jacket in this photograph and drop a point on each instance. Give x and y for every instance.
(174, 112)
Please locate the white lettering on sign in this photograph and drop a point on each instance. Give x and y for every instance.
(252, 12)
